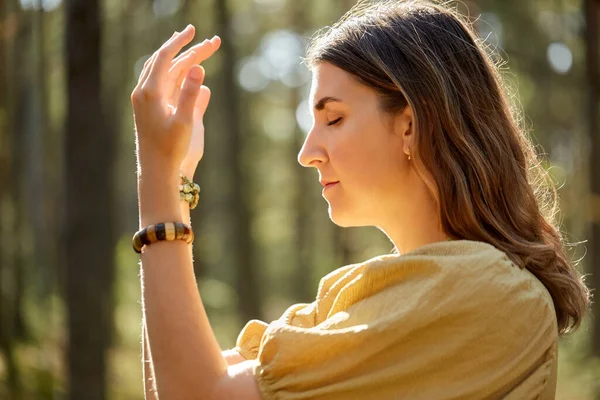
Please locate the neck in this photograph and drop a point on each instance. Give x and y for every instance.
(415, 231)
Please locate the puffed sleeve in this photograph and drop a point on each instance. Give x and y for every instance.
(486, 335)
(249, 340)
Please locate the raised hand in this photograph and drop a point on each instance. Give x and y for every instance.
(169, 102)
(179, 67)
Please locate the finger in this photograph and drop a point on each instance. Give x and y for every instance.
(176, 33)
(178, 72)
(189, 95)
(202, 102)
(166, 54)
(210, 48)
(194, 48)
(146, 68)
(148, 64)
(203, 50)
(216, 41)
(206, 51)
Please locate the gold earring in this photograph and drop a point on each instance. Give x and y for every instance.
(408, 156)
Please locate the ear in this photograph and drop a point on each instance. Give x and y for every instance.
(403, 128)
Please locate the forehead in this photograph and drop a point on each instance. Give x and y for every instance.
(329, 80)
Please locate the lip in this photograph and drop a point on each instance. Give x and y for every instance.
(327, 185)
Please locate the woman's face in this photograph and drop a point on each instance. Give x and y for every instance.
(359, 151)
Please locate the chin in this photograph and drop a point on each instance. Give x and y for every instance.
(344, 219)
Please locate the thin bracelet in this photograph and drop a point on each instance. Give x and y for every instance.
(163, 231)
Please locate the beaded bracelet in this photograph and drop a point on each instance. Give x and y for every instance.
(163, 231)
(189, 191)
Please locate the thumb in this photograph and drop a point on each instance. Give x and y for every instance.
(189, 94)
(202, 102)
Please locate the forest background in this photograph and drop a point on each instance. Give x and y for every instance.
(70, 317)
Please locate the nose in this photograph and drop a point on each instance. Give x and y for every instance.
(312, 152)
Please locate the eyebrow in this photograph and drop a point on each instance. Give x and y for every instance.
(320, 105)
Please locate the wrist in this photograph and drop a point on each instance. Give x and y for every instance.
(158, 192)
(151, 158)
(188, 168)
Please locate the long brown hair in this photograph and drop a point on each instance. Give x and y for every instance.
(479, 164)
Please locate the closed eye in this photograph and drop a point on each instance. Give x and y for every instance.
(335, 121)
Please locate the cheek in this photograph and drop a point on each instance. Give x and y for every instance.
(350, 157)
(365, 162)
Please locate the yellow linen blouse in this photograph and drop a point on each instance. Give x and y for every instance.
(449, 320)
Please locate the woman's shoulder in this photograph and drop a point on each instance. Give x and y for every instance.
(455, 316)
(480, 269)
(463, 267)
(457, 277)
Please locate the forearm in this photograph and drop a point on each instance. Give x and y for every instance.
(148, 369)
(185, 212)
(150, 392)
(186, 356)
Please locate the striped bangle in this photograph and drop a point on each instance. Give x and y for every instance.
(163, 231)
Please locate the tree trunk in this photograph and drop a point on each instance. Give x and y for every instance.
(592, 12)
(5, 163)
(89, 224)
(246, 283)
(6, 201)
(13, 205)
(24, 116)
(42, 238)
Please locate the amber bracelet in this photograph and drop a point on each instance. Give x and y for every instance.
(163, 231)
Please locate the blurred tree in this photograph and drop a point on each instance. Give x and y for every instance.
(10, 23)
(89, 226)
(5, 348)
(119, 63)
(302, 289)
(36, 187)
(592, 13)
(246, 281)
(24, 116)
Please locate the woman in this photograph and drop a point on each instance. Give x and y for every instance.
(413, 134)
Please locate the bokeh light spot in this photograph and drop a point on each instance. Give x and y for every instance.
(560, 57)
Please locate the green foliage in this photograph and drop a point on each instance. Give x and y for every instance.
(578, 372)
